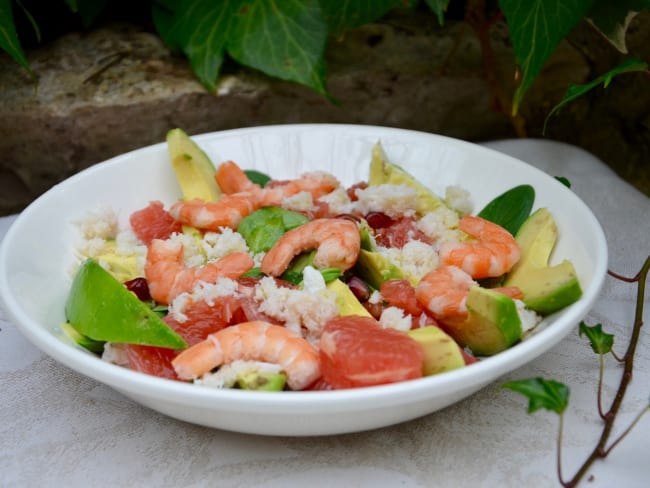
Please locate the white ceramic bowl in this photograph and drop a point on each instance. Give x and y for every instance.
(37, 253)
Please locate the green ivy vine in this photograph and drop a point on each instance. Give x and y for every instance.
(287, 39)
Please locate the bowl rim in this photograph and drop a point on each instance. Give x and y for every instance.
(484, 371)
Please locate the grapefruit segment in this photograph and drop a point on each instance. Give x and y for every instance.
(356, 351)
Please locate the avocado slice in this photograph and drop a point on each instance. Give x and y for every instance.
(375, 268)
(100, 308)
(441, 352)
(86, 342)
(262, 381)
(384, 172)
(346, 300)
(194, 170)
(492, 324)
(122, 267)
(546, 288)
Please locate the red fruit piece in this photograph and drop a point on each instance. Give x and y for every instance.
(401, 294)
(156, 361)
(400, 232)
(153, 222)
(356, 351)
(203, 319)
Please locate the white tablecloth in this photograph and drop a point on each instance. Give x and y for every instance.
(59, 428)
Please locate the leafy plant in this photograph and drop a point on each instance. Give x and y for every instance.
(554, 396)
(287, 39)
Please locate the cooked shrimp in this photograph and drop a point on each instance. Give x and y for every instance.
(337, 242)
(258, 341)
(444, 291)
(168, 277)
(232, 180)
(317, 183)
(494, 252)
(242, 197)
(228, 211)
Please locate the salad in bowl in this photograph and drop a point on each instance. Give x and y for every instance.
(302, 279)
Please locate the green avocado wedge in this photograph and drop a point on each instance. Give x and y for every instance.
(375, 268)
(441, 352)
(262, 381)
(101, 308)
(492, 324)
(384, 172)
(546, 289)
(194, 170)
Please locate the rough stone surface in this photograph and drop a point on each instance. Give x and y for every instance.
(118, 88)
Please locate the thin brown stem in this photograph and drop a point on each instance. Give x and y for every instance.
(559, 448)
(476, 18)
(600, 450)
(627, 431)
(601, 368)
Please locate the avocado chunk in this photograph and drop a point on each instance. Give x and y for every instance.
(346, 300)
(86, 342)
(384, 172)
(492, 325)
(546, 289)
(441, 352)
(262, 381)
(194, 170)
(375, 268)
(123, 267)
(101, 308)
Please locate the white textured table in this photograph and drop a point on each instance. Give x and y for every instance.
(58, 428)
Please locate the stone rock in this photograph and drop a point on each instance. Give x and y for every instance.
(118, 88)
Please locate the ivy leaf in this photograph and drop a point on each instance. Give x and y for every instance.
(613, 18)
(510, 209)
(541, 393)
(9, 38)
(284, 39)
(348, 14)
(601, 343)
(536, 28)
(88, 10)
(199, 29)
(438, 7)
(576, 91)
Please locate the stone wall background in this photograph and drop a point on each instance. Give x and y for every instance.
(118, 88)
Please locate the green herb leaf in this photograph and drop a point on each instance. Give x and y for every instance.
(600, 342)
(510, 209)
(330, 274)
(536, 28)
(576, 91)
(564, 181)
(541, 393)
(8, 38)
(348, 14)
(612, 18)
(262, 229)
(438, 7)
(253, 273)
(257, 177)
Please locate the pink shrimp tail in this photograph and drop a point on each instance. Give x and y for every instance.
(232, 179)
